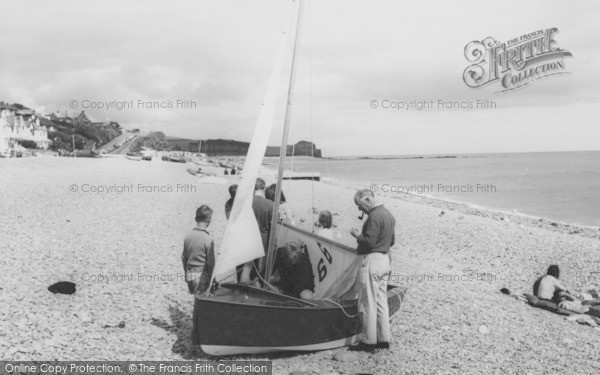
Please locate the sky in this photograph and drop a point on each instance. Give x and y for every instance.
(219, 54)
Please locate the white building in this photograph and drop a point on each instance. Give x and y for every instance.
(15, 128)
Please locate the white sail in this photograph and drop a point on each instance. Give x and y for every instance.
(242, 241)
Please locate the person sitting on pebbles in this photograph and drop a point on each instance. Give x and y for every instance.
(198, 255)
(549, 288)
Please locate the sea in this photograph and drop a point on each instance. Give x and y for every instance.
(561, 186)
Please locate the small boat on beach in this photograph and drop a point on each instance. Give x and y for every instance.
(293, 175)
(206, 177)
(225, 165)
(241, 319)
(238, 318)
(177, 159)
(194, 171)
(132, 157)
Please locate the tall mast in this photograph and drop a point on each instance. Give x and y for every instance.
(283, 151)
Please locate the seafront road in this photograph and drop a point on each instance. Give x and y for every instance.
(124, 149)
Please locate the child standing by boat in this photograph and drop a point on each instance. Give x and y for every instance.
(326, 222)
(198, 255)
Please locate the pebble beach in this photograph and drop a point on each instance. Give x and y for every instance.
(115, 227)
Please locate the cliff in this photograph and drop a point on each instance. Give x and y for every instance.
(224, 147)
(231, 147)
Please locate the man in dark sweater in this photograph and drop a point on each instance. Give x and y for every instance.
(375, 241)
(263, 211)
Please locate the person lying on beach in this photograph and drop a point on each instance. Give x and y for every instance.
(295, 272)
(549, 288)
(229, 203)
(284, 210)
(325, 222)
(198, 255)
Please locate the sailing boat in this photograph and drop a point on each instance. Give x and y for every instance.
(243, 319)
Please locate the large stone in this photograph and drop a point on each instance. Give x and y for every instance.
(344, 356)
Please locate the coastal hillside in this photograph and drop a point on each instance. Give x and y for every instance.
(183, 144)
(87, 134)
(155, 141)
(64, 130)
(229, 147)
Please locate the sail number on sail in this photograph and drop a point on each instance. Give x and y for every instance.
(321, 267)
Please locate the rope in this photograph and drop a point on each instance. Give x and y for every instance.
(341, 308)
(399, 296)
(261, 278)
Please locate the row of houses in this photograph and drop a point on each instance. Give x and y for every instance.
(18, 124)
(21, 125)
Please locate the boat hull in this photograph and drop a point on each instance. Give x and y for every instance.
(244, 320)
(225, 350)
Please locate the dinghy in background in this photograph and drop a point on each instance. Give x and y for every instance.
(293, 175)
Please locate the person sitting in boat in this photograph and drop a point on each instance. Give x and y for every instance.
(325, 222)
(549, 288)
(284, 210)
(229, 203)
(198, 255)
(295, 272)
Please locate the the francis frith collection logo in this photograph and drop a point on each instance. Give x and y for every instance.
(515, 63)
